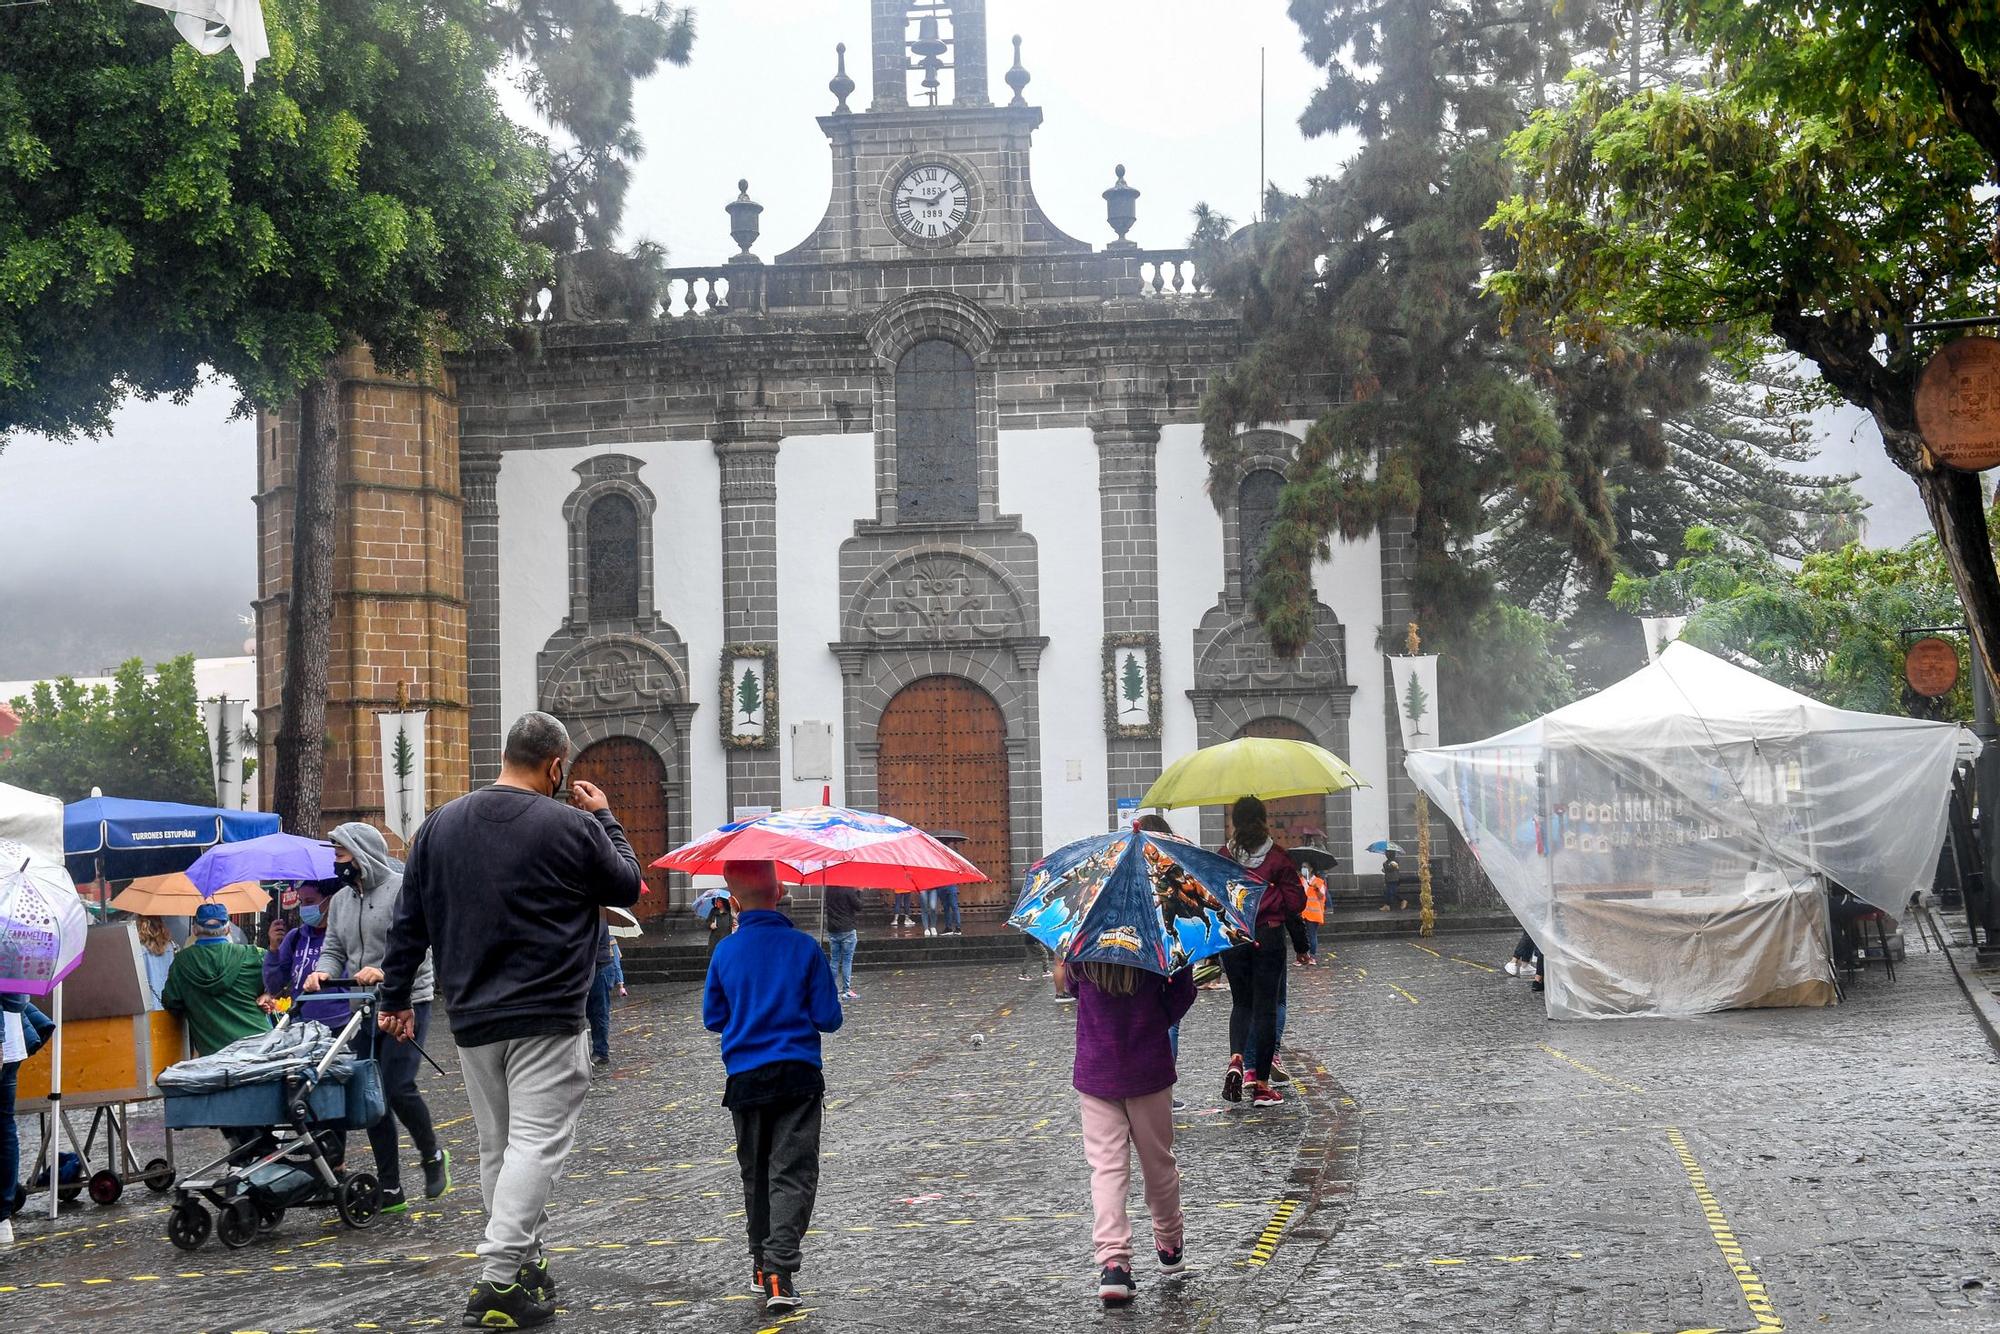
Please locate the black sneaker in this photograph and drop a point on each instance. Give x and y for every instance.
(437, 1174)
(600, 1060)
(757, 1272)
(505, 1306)
(1115, 1286)
(779, 1294)
(393, 1201)
(1173, 1261)
(536, 1278)
(1232, 1082)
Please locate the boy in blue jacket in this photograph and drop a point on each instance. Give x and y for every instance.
(770, 995)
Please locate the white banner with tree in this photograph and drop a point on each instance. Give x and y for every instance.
(403, 771)
(222, 720)
(1416, 681)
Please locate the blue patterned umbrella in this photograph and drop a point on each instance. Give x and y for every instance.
(1150, 900)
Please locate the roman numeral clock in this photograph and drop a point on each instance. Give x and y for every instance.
(930, 204)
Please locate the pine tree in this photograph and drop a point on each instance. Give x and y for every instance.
(1416, 704)
(1133, 682)
(749, 696)
(403, 760)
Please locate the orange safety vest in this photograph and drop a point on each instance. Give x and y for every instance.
(1315, 910)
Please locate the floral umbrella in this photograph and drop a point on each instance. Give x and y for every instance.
(1149, 900)
(42, 922)
(829, 845)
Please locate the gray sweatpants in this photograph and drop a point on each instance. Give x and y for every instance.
(525, 1095)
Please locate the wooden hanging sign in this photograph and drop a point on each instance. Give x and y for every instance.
(1931, 667)
(1958, 404)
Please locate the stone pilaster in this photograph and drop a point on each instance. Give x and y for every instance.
(746, 445)
(399, 609)
(479, 477)
(1126, 427)
(1399, 555)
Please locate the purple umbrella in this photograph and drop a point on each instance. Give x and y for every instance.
(267, 857)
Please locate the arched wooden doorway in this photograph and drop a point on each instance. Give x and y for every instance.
(943, 765)
(1293, 819)
(634, 781)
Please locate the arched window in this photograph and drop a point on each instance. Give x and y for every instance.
(1256, 513)
(937, 449)
(611, 534)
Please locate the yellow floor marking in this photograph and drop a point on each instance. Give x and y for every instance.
(1593, 1072)
(1484, 968)
(1425, 948)
(1754, 1294)
(1404, 994)
(1274, 1231)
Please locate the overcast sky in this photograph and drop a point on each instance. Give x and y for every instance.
(145, 542)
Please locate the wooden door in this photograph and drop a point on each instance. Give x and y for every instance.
(634, 781)
(943, 765)
(1293, 819)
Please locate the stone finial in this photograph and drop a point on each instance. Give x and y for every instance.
(1017, 77)
(743, 227)
(840, 85)
(1121, 211)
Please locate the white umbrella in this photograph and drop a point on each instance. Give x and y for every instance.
(627, 926)
(42, 929)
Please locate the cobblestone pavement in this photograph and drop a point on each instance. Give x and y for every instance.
(1456, 1163)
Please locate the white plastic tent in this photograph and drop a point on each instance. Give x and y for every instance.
(32, 820)
(1665, 840)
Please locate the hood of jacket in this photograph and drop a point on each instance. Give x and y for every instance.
(213, 967)
(364, 843)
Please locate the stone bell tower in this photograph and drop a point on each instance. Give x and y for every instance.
(931, 38)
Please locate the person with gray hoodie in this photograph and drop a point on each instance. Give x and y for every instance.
(357, 941)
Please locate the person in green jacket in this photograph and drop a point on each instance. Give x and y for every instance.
(214, 985)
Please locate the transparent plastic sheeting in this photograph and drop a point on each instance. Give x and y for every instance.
(1664, 840)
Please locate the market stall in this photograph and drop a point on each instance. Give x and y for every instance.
(1669, 841)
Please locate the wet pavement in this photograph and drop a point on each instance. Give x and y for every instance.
(1452, 1162)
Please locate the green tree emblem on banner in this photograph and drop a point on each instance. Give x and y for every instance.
(1132, 684)
(1416, 704)
(749, 695)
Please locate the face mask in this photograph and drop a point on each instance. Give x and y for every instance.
(561, 775)
(311, 914)
(348, 873)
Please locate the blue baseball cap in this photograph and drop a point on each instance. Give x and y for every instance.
(212, 914)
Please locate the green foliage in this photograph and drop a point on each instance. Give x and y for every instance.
(1501, 670)
(1829, 628)
(158, 218)
(138, 737)
(749, 695)
(1132, 683)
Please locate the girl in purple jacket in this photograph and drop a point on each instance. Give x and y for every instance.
(297, 957)
(1125, 1077)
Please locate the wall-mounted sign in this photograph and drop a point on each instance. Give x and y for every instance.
(1931, 667)
(1958, 404)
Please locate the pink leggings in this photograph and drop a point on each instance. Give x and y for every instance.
(1145, 1124)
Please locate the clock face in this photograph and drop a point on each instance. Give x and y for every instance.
(932, 203)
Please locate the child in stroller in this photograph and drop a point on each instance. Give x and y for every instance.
(277, 1098)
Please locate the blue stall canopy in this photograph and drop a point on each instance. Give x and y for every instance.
(135, 838)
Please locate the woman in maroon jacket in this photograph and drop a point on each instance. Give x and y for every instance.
(1256, 971)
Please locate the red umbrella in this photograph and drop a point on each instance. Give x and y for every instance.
(829, 845)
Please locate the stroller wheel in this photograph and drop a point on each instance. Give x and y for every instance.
(187, 1225)
(269, 1216)
(236, 1226)
(105, 1187)
(359, 1200)
(159, 1176)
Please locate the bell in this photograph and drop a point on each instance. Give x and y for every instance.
(927, 43)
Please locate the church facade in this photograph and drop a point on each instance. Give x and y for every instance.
(915, 511)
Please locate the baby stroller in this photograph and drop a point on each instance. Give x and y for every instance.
(276, 1098)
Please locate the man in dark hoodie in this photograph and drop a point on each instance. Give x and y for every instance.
(357, 943)
(507, 887)
(214, 984)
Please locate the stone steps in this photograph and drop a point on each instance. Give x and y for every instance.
(686, 959)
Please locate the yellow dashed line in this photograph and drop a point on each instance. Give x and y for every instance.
(1274, 1231)
(1593, 1073)
(1754, 1294)
(1425, 948)
(1404, 994)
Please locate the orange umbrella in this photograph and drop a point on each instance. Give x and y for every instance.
(176, 896)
